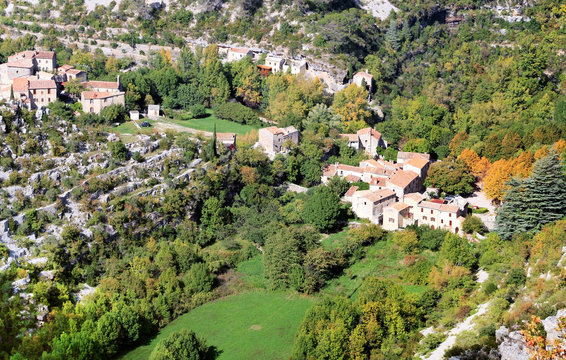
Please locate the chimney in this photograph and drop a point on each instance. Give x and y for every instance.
(118, 80)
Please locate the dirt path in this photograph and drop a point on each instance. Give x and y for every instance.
(162, 126)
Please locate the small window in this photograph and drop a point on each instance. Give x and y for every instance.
(91, 110)
(424, 218)
(450, 223)
(49, 91)
(449, 214)
(432, 219)
(391, 220)
(441, 221)
(431, 211)
(422, 210)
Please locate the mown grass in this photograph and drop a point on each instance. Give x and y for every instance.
(335, 240)
(253, 325)
(207, 124)
(253, 272)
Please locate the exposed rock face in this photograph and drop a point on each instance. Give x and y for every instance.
(512, 345)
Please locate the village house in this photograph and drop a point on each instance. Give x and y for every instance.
(104, 86)
(367, 139)
(153, 111)
(228, 139)
(363, 79)
(295, 66)
(403, 157)
(235, 54)
(275, 62)
(94, 101)
(273, 139)
(415, 210)
(403, 182)
(68, 73)
(42, 60)
(16, 69)
(134, 115)
(367, 204)
(34, 93)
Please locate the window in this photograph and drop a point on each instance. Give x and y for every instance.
(424, 218)
(91, 101)
(91, 110)
(422, 210)
(34, 91)
(450, 223)
(432, 219)
(49, 91)
(391, 220)
(431, 211)
(450, 215)
(441, 221)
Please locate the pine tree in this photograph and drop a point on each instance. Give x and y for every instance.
(546, 191)
(11, 92)
(535, 201)
(392, 37)
(510, 215)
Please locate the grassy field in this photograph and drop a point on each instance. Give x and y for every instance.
(207, 124)
(381, 260)
(254, 325)
(128, 128)
(335, 241)
(253, 272)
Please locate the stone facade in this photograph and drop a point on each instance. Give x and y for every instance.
(273, 139)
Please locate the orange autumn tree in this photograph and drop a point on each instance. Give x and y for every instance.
(501, 171)
(478, 166)
(538, 346)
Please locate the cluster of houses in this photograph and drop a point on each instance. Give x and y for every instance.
(33, 78)
(394, 199)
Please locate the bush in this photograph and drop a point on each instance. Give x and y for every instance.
(517, 277)
(473, 224)
(417, 274)
(180, 345)
(197, 111)
(480, 210)
(236, 112)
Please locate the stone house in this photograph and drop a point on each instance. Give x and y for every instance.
(295, 66)
(415, 210)
(34, 93)
(367, 139)
(273, 139)
(95, 101)
(364, 78)
(403, 157)
(404, 182)
(104, 86)
(235, 54)
(42, 60)
(369, 204)
(68, 73)
(275, 62)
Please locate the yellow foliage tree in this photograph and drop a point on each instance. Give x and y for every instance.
(352, 106)
(501, 172)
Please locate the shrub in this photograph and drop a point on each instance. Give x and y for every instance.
(517, 277)
(418, 273)
(236, 112)
(197, 111)
(473, 224)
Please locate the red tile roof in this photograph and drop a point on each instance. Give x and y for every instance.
(88, 95)
(20, 84)
(66, 67)
(418, 162)
(399, 206)
(352, 178)
(369, 131)
(363, 74)
(102, 84)
(403, 178)
(22, 63)
(42, 84)
(350, 137)
(45, 55)
(376, 196)
(439, 207)
(351, 191)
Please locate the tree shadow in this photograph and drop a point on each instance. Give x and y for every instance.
(212, 353)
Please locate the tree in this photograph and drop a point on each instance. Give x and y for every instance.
(74, 88)
(118, 150)
(535, 201)
(458, 251)
(181, 345)
(321, 115)
(392, 37)
(473, 224)
(451, 177)
(352, 107)
(560, 111)
(407, 241)
(322, 208)
(198, 278)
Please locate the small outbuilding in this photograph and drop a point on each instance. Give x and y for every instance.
(153, 111)
(134, 115)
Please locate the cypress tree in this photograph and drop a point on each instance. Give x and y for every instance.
(213, 145)
(11, 92)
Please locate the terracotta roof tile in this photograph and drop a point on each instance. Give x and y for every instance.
(23, 63)
(418, 162)
(375, 196)
(20, 84)
(88, 95)
(352, 178)
(402, 178)
(42, 84)
(102, 84)
(351, 191)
